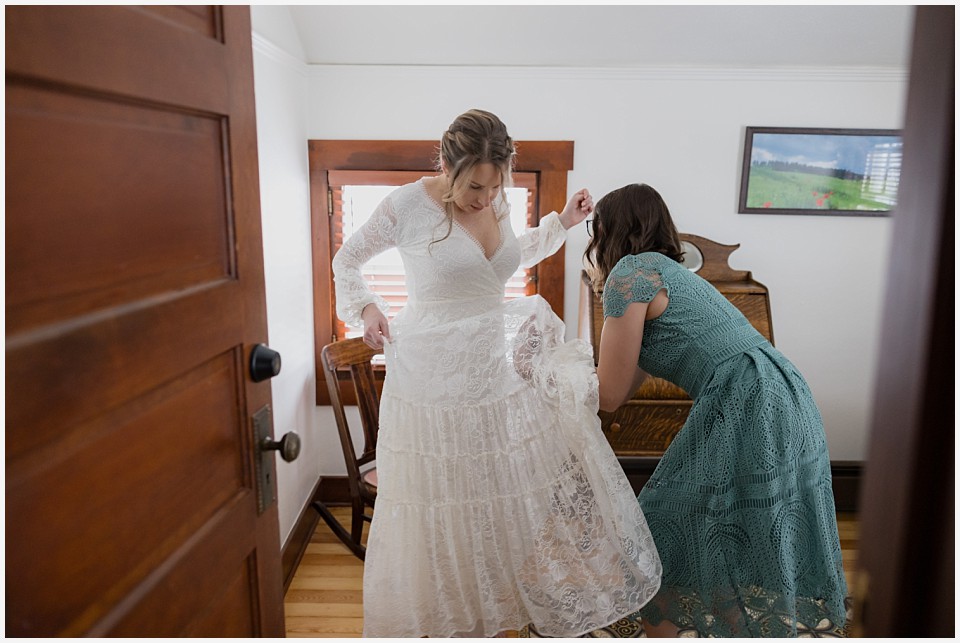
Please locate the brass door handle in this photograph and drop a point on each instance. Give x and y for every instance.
(288, 446)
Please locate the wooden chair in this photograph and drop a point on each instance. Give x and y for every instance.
(355, 355)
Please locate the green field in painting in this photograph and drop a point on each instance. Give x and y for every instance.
(796, 190)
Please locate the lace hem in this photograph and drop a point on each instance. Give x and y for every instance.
(751, 612)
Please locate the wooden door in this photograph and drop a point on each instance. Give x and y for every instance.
(134, 295)
(905, 574)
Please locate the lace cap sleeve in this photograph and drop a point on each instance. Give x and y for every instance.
(377, 235)
(634, 278)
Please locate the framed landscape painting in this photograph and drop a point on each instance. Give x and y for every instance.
(794, 170)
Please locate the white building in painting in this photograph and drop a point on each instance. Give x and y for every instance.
(882, 174)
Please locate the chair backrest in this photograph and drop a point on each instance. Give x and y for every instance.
(356, 356)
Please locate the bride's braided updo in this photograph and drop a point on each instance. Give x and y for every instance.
(475, 137)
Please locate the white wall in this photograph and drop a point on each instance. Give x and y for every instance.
(680, 130)
(280, 86)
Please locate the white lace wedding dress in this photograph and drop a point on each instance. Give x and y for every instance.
(500, 502)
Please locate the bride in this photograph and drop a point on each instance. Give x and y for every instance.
(500, 502)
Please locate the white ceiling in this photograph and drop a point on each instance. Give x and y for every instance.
(607, 36)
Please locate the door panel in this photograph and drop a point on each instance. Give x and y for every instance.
(144, 186)
(221, 591)
(126, 52)
(134, 297)
(96, 362)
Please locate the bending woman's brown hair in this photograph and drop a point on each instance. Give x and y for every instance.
(629, 221)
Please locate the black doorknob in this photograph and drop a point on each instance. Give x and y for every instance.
(264, 363)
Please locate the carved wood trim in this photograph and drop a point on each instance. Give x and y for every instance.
(715, 259)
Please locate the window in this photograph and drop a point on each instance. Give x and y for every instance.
(343, 173)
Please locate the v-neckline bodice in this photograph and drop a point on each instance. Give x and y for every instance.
(462, 228)
(483, 250)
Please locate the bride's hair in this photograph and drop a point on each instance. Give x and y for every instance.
(474, 137)
(629, 221)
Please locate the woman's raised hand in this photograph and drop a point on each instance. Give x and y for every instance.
(578, 208)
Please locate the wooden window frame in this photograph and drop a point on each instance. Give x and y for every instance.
(549, 160)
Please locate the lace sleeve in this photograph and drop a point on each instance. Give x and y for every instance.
(352, 292)
(634, 278)
(536, 244)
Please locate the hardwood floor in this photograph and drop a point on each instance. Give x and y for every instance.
(848, 526)
(325, 598)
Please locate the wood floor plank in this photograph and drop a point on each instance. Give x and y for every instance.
(325, 625)
(315, 635)
(330, 549)
(324, 596)
(331, 560)
(352, 610)
(331, 571)
(302, 581)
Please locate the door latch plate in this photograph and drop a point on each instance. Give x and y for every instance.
(266, 485)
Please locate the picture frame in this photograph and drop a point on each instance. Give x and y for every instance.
(820, 171)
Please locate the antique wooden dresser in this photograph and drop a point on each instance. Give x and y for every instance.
(645, 425)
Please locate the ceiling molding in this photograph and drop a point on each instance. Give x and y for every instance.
(266, 47)
(657, 73)
(727, 36)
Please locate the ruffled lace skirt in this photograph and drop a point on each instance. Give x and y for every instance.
(500, 501)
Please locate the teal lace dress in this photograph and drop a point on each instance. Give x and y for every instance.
(741, 505)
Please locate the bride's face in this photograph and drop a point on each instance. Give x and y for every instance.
(480, 188)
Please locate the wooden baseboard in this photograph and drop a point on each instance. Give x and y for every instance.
(847, 475)
(333, 490)
(846, 478)
(638, 470)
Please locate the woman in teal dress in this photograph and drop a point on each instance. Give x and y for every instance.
(741, 505)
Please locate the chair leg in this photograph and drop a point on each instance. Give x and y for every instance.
(354, 546)
(356, 529)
